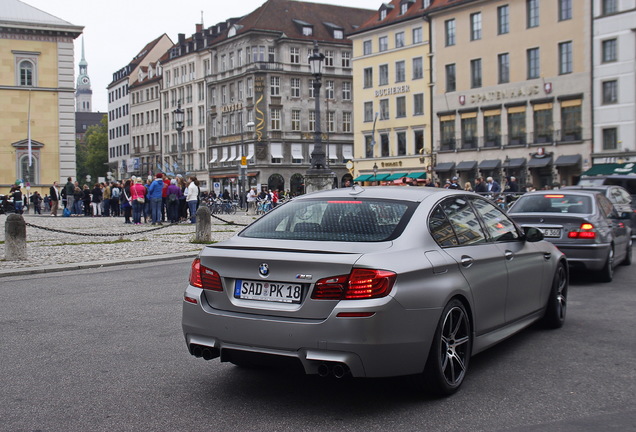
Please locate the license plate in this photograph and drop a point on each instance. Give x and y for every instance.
(551, 232)
(280, 292)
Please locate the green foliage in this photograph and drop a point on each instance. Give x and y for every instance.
(92, 156)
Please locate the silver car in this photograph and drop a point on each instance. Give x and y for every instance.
(373, 282)
(583, 224)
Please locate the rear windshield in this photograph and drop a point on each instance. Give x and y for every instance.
(553, 203)
(333, 220)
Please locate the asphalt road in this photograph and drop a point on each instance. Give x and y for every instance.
(102, 350)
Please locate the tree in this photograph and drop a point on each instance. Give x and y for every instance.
(92, 155)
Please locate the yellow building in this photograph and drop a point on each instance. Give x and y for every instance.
(36, 89)
(392, 104)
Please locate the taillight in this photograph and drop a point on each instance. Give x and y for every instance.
(360, 284)
(203, 277)
(586, 231)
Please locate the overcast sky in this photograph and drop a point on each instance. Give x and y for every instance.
(116, 30)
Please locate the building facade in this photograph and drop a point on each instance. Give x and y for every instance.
(614, 81)
(512, 93)
(262, 100)
(37, 106)
(392, 70)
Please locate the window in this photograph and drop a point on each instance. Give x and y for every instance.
(368, 146)
(417, 35)
(450, 78)
(312, 121)
(400, 71)
(571, 129)
(534, 68)
(27, 73)
(346, 59)
(464, 221)
(469, 130)
(565, 10)
(295, 87)
(565, 58)
(447, 133)
(274, 86)
(609, 7)
(384, 109)
(475, 73)
(475, 26)
(383, 75)
(503, 20)
(609, 51)
(418, 68)
(338, 34)
(383, 13)
(517, 125)
(418, 104)
(368, 77)
(346, 122)
(295, 120)
(329, 89)
(383, 43)
(368, 111)
(276, 151)
(250, 88)
(384, 145)
(418, 137)
(497, 224)
(275, 119)
(297, 153)
(294, 55)
(399, 39)
(492, 129)
(366, 47)
(532, 13)
(271, 54)
(610, 92)
(610, 139)
(404, 6)
(346, 90)
(331, 121)
(449, 32)
(401, 143)
(400, 103)
(503, 66)
(328, 60)
(543, 123)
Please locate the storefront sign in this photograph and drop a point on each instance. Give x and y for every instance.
(233, 107)
(499, 95)
(393, 90)
(396, 164)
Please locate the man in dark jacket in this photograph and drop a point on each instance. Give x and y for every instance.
(54, 194)
(480, 186)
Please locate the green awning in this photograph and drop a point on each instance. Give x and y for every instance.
(379, 177)
(417, 175)
(363, 177)
(611, 168)
(395, 176)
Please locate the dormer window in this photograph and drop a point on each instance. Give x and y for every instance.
(338, 34)
(308, 31)
(306, 28)
(382, 14)
(404, 6)
(336, 31)
(384, 10)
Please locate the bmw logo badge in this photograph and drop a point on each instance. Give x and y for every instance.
(263, 269)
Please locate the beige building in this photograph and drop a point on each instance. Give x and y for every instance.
(391, 66)
(512, 89)
(37, 97)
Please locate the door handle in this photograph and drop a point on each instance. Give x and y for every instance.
(467, 261)
(509, 255)
(547, 255)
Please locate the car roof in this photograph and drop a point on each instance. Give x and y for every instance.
(405, 193)
(595, 187)
(585, 191)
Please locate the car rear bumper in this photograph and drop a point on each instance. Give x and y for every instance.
(392, 342)
(589, 256)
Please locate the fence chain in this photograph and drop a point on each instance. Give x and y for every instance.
(227, 222)
(98, 234)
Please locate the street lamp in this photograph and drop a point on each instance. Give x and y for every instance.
(318, 158)
(243, 164)
(178, 125)
(375, 172)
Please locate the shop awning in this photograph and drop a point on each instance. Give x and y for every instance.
(489, 164)
(466, 165)
(568, 160)
(363, 177)
(514, 163)
(379, 177)
(395, 176)
(417, 175)
(444, 166)
(540, 162)
(611, 168)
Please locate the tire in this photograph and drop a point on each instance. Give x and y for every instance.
(628, 254)
(450, 351)
(556, 308)
(607, 272)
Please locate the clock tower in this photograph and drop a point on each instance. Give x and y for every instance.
(83, 92)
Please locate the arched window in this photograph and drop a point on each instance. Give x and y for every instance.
(28, 173)
(26, 73)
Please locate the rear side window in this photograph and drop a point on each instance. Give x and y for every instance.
(553, 203)
(499, 227)
(605, 206)
(463, 220)
(348, 220)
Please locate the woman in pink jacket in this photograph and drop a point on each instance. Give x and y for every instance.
(138, 196)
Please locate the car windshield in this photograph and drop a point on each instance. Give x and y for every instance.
(553, 203)
(347, 220)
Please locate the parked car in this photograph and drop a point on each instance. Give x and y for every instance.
(620, 198)
(583, 224)
(373, 282)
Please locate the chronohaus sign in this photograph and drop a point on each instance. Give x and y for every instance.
(500, 95)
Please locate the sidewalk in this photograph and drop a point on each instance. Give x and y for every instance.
(49, 251)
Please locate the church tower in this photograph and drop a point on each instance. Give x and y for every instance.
(83, 93)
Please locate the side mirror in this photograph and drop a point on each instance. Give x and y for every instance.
(533, 234)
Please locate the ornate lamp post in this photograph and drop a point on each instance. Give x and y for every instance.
(243, 164)
(178, 125)
(318, 177)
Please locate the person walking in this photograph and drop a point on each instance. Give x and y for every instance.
(36, 200)
(69, 188)
(86, 199)
(155, 191)
(480, 186)
(138, 197)
(126, 204)
(106, 199)
(251, 200)
(16, 194)
(96, 199)
(174, 194)
(192, 198)
(54, 198)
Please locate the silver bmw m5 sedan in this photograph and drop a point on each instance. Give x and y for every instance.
(373, 282)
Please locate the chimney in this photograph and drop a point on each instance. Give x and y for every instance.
(199, 27)
(181, 38)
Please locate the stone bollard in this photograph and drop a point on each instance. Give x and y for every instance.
(203, 225)
(15, 247)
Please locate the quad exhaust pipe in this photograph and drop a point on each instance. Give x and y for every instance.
(207, 353)
(335, 369)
